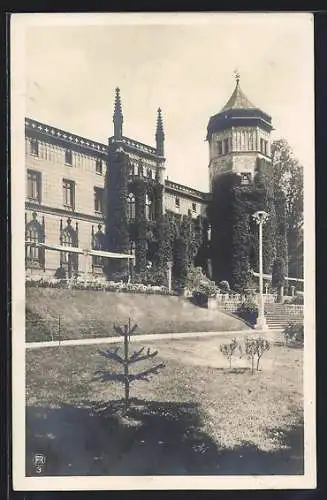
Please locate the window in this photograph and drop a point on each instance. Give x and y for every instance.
(177, 203)
(69, 238)
(262, 146)
(226, 146)
(140, 168)
(194, 207)
(245, 178)
(34, 185)
(98, 200)
(266, 147)
(148, 207)
(98, 244)
(35, 147)
(131, 206)
(149, 173)
(69, 194)
(220, 147)
(98, 166)
(68, 157)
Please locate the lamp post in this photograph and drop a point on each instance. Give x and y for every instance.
(261, 218)
(169, 268)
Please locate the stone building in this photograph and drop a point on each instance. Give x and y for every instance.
(79, 190)
(65, 191)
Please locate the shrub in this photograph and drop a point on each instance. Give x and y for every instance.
(60, 273)
(298, 300)
(294, 333)
(228, 350)
(248, 311)
(255, 347)
(199, 298)
(224, 286)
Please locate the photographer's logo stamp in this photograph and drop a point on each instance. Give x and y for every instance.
(39, 462)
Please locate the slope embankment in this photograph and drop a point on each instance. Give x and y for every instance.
(53, 313)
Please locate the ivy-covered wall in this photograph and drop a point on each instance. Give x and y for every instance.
(117, 233)
(234, 241)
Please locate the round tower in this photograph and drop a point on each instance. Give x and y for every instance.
(238, 136)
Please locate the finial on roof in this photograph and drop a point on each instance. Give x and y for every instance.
(160, 135)
(118, 116)
(237, 76)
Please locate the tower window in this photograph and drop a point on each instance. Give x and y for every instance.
(226, 146)
(68, 157)
(35, 147)
(194, 207)
(220, 147)
(131, 207)
(98, 166)
(69, 193)
(245, 178)
(34, 185)
(98, 200)
(177, 202)
(149, 173)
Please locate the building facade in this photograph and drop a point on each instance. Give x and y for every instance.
(79, 191)
(66, 191)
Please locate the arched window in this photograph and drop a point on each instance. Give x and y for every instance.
(98, 244)
(34, 234)
(68, 238)
(131, 206)
(148, 207)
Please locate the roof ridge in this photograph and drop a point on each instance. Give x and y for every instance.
(238, 100)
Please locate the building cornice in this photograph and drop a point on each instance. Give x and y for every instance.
(176, 188)
(44, 209)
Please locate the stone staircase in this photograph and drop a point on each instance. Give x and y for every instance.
(278, 316)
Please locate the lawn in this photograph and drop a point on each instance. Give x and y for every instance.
(196, 417)
(85, 314)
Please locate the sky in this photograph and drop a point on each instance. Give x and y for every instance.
(184, 64)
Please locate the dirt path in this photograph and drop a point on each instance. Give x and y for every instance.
(136, 338)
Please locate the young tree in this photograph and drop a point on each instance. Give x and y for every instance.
(126, 360)
(255, 347)
(228, 350)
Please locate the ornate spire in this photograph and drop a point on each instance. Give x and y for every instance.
(160, 135)
(118, 116)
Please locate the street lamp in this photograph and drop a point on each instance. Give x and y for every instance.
(169, 269)
(260, 218)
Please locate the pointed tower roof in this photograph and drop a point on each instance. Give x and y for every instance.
(238, 99)
(238, 112)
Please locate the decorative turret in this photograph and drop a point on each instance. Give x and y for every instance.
(160, 136)
(238, 136)
(118, 116)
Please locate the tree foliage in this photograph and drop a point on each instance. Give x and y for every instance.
(288, 182)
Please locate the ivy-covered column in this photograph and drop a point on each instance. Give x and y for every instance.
(116, 188)
(240, 248)
(165, 236)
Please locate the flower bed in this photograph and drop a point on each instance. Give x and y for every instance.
(97, 285)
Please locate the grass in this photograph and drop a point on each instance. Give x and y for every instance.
(85, 314)
(196, 417)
